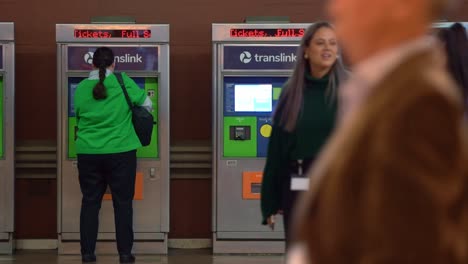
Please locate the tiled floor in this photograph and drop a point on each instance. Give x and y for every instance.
(174, 257)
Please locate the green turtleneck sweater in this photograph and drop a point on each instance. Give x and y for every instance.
(314, 125)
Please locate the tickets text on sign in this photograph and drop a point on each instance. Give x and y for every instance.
(114, 33)
(265, 33)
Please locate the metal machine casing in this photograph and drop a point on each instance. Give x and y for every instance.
(246, 56)
(7, 136)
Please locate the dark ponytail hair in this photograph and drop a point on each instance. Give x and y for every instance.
(103, 57)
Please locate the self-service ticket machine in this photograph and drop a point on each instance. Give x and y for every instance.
(7, 142)
(251, 64)
(142, 51)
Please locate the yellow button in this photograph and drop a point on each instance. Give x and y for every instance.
(265, 130)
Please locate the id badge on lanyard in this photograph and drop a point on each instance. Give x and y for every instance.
(299, 181)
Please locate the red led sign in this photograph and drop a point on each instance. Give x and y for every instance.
(266, 33)
(112, 33)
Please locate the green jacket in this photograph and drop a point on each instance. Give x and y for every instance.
(105, 126)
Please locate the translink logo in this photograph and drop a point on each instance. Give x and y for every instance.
(127, 58)
(88, 57)
(246, 57)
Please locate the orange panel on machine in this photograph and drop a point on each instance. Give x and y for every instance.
(138, 188)
(251, 185)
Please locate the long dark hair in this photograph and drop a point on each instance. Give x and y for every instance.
(103, 57)
(456, 48)
(291, 99)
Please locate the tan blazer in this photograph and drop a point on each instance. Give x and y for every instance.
(391, 185)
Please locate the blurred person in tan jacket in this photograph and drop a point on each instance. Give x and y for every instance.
(391, 184)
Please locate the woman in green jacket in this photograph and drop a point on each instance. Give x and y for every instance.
(106, 149)
(303, 120)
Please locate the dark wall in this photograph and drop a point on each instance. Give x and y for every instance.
(190, 52)
(36, 209)
(190, 210)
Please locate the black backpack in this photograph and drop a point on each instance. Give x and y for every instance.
(142, 120)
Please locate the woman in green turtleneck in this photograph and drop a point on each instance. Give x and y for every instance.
(303, 120)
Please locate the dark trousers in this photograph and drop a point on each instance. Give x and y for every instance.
(289, 198)
(96, 171)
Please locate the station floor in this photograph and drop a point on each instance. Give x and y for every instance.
(177, 256)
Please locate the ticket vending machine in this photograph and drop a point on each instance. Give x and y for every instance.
(251, 62)
(7, 139)
(142, 51)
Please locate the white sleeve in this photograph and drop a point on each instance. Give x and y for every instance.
(148, 104)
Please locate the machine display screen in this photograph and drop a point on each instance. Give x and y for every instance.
(112, 33)
(253, 97)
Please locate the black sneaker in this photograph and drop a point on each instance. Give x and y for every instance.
(87, 258)
(127, 258)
